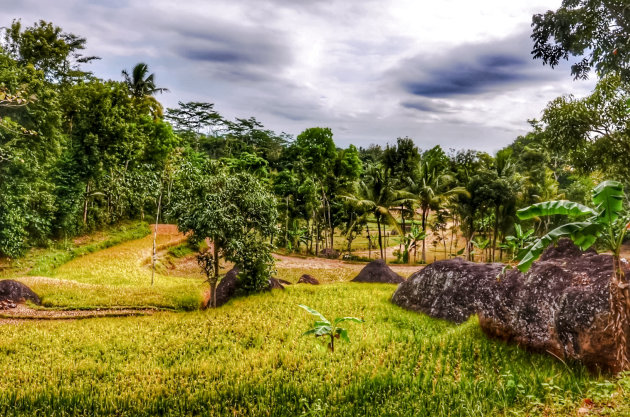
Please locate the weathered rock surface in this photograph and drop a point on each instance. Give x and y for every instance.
(274, 284)
(12, 292)
(307, 279)
(229, 286)
(378, 272)
(560, 306)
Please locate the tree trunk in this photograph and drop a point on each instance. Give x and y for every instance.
(620, 310)
(85, 204)
(157, 218)
(380, 239)
(495, 232)
(367, 227)
(317, 240)
(425, 214)
(286, 225)
(213, 284)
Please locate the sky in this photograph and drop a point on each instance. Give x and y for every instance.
(457, 73)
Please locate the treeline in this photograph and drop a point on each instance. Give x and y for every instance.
(78, 152)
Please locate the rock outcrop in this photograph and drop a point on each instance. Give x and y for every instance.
(378, 272)
(307, 279)
(14, 292)
(229, 287)
(560, 306)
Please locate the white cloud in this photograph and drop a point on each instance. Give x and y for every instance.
(296, 63)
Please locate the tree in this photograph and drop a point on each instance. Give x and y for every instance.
(430, 187)
(140, 83)
(608, 223)
(595, 30)
(47, 48)
(235, 213)
(377, 195)
(142, 88)
(592, 132)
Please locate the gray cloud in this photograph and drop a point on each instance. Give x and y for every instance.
(473, 69)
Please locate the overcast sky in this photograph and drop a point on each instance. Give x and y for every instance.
(452, 72)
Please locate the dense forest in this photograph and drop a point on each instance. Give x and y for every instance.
(78, 152)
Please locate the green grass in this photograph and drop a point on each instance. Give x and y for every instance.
(43, 261)
(118, 276)
(247, 358)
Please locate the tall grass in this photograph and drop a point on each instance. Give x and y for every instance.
(247, 359)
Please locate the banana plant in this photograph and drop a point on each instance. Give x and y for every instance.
(324, 328)
(607, 222)
(519, 241)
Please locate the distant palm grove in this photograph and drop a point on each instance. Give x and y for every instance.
(78, 152)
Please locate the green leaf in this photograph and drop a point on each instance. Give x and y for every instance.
(608, 197)
(323, 330)
(315, 313)
(550, 208)
(354, 319)
(584, 232)
(343, 334)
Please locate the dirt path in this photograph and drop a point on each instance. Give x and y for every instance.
(285, 261)
(22, 313)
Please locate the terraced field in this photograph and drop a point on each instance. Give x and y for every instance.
(247, 358)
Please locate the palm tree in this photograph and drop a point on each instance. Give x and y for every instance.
(140, 82)
(142, 87)
(377, 195)
(430, 189)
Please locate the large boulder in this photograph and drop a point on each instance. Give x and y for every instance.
(378, 272)
(229, 287)
(308, 279)
(560, 306)
(15, 292)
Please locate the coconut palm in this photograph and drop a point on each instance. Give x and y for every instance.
(142, 87)
(429, 188)
(140, 82)
(377, 195)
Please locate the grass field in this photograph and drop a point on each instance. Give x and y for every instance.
(247, 358)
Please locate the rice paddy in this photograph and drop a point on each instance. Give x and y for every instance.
(248, 358)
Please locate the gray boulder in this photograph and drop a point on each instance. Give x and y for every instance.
(560, 306)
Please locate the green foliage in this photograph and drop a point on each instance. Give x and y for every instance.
(608, 221)
(235, 212)
(324, 328)
(594, 31)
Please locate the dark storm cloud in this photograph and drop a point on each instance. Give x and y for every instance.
(427, 105)
(473, 69)
(247, 52)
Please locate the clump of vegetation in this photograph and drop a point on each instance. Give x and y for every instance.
(607, 222)
(324, 328)
(236, 213)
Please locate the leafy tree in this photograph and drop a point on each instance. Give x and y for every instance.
(430, 186)
(47, 48)
(597, 31)
(607, 223)
(142, 88)
(592, 132)
(236, 213)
